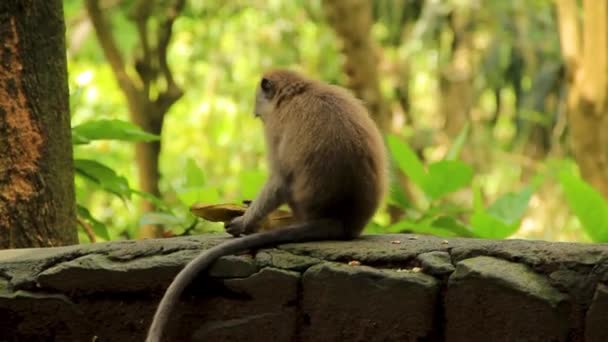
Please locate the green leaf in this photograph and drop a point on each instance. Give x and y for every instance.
(454, 151)
(158, 203)
(443, 177)
(446, 208)
(503, 217)
(103, 176)
(446, 176)
(397, 195)
(587, 204)
(487, 226)
(111, 130)
(99, 228)
(511, 207)
(407, 160)
(78, 139)
(453, 225)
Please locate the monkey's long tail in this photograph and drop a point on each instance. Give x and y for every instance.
(301, 232)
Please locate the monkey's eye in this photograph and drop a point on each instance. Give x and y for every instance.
(266, 85)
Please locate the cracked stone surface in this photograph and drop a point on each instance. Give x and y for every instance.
(436, 263)
(362, 303)
(496, 300)
(376, 288)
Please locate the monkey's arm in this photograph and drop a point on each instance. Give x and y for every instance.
(269, 199)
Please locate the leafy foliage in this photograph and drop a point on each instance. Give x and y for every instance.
(109, 130)
(98, 174)
(500, 220)
(503, 217)
(213, 150)
(587, 204)
(103, 176)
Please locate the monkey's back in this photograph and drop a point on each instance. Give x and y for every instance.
(331, 156)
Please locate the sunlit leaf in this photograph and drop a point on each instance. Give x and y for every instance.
(99, 228)
(103, 176)
(446, 208)
(397, 195)
(503, 217)
(453, 225)
(111, 130)
(443, 177)
(447, 176)
(78, 139)
(407, 160)
(487, 226)
(587, 204)
(512, 206)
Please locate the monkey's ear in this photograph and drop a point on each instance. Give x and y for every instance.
(267, 87)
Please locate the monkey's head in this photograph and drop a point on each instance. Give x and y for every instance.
(263, 97)
(274, 87)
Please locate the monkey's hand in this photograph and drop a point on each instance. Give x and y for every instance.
(236, 227)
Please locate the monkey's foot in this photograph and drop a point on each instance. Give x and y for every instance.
(235, 227)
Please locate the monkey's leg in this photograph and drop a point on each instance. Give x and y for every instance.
(269, 199)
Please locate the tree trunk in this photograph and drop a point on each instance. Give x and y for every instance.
(352, 21)
(456, 77)
(456, 84)
(586, 56)
(147, 155)
(37, 204)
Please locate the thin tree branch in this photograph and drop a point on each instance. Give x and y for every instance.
(88, 230)
(165, 30)
(140, 15)
(110, 50)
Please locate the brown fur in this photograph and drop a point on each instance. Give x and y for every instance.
(327, 162)
(327, 150)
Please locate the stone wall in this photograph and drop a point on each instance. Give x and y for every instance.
(377, 288)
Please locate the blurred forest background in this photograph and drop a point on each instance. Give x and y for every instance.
(493, 110)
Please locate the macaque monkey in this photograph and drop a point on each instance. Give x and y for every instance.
(327, 162)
